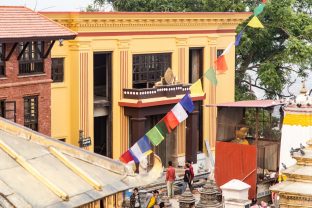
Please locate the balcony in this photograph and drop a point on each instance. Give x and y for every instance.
(158, 91)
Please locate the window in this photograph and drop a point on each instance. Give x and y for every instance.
(219, 52)
(31, 112)
(148, 68)
(30, 61)
(2, 108)
(57, 69)
(2, 67)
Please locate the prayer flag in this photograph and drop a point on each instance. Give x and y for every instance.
(238, 38)
(163, 128)
(140, 149)
(259, 9)
(264, 1)
(155, 136)
(221, 64)
(255, 23)
(187, 103)
(228, 48)
(179, 112)
(196, 88)
(126, 157)
(171, 120)
(211, 76)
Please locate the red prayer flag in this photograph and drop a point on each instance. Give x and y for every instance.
(264, 1)
(126, 157)
(221, 64)
(171, 120)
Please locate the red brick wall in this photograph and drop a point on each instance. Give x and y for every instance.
(14, 88)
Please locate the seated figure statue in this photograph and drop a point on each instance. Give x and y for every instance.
(240, 136)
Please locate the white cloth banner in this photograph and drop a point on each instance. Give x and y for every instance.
(292, 136)
(179, 112)
(136, 151)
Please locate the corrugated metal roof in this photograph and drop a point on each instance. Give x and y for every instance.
(22, 189)
(20, 23)
(249, 104)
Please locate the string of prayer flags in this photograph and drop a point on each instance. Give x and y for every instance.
(179, 112)
(238, 38)
(187, 103)
(163, 128)
(255, 23)
(141, 149)
(211, 76)
(259, 9)
(221, 65)
(196, 88)
(264, 1)
(170, 120)
(228, 48)
(126, 157)
(155, 136)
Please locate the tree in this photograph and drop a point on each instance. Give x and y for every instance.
(269, 59)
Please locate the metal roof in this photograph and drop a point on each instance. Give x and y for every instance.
(248, 104)
(22, 24)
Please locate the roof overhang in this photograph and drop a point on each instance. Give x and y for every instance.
(249, 104)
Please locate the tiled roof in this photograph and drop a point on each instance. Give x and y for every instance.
(21, 23)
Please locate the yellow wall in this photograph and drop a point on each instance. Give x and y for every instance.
(72, 100)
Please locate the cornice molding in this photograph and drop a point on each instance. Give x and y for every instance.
(82, 22)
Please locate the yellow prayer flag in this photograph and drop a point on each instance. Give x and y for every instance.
(196, 88)
(255, 23)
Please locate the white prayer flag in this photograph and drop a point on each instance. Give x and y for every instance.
(179, 112)
(227, 50)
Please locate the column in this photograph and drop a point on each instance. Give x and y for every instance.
(192, 135)
(210, 113)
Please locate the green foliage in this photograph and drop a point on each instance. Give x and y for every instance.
(273, 55)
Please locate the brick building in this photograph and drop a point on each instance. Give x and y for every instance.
(26, 39)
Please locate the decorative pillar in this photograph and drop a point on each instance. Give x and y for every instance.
(209, 196)
(172, 148)
(187, 200)
(192, 135)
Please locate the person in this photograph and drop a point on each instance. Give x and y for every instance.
(135, 199)
(170, 177)
(187, 178)
(191, 170)
(152, 200)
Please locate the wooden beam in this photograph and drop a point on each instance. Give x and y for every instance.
(96, 185)
(23, 50)
(20, 160)
(48, 50)
(10, 53)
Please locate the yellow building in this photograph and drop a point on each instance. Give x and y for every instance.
(110, 69)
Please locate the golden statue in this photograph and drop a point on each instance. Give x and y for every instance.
(241, 136)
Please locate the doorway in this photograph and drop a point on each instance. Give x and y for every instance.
(102, 86)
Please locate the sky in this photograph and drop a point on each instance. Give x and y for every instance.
(49, 5)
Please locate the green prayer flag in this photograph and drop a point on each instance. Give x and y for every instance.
(155, 136)
(162, 128)
(259, 9)
(211, 76)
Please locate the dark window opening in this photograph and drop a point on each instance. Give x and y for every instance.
(2, 108)
(148, 68)
(102, 140)
(219, 52)
(102, 75)
(31, 112)
(62, 140)
(31, 61)
(57, 73)
(200, 126)
(2, 66)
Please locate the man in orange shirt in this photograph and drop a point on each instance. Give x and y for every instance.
(170, 177)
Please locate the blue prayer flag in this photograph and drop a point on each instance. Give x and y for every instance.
(238, 38)
(187, 103)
